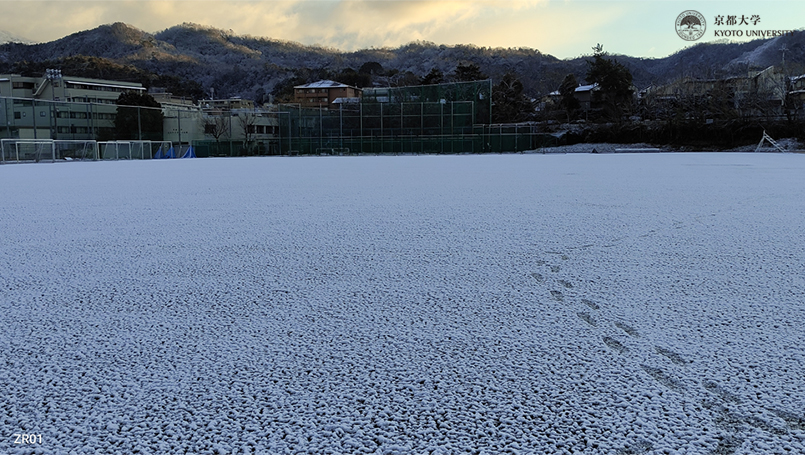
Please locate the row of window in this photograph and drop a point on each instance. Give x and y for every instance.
(84, 115)
(23, 85)
(62, 114)
(317, 90)
(253, 129)
(262, 129)
(84, 99)
(99, 88)
(73, 129)
(27, 102)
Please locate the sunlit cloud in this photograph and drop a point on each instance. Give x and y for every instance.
(564, 28)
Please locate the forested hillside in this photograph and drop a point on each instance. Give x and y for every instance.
(191, 59)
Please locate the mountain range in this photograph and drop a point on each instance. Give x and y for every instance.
(6, 37)
(191, 59)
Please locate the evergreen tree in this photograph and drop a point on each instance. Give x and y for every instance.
(371, 68)
(510, 105)
(434, 77)
(139, 117)
(567, 91)
(615, 84)
(468, 73)
(356, 79)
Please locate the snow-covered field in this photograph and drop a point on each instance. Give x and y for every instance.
(596, 304)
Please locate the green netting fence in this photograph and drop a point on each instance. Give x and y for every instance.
(400, 128)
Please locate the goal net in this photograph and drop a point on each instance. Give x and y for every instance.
(128, 150)
(70, 150)
(19, 150)
(35, 150)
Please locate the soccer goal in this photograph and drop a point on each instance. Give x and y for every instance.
(36, 150)
(128, 150)
(334, 151)
(21, 150)
(80, 150)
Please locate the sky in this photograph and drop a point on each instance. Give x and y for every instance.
(563, 28)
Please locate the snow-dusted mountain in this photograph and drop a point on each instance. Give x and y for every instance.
(250, 66)
(6, 37)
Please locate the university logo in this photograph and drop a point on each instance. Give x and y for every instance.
(690, 25)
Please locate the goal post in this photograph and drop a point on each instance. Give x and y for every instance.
(127, 150)
(21, 150)
(27, 150)
(81, 150)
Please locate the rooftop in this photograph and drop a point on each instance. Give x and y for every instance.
(323, 84)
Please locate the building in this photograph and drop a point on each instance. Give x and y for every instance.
(225, 105)
(758, 93)
(59, 107)
(235, 126)
(584, 94)
(324, 93)
(56, 87)
(797, 89)
(182, 122)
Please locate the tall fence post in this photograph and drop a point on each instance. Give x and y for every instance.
(33, 114)
(321, 130)
(381, 128)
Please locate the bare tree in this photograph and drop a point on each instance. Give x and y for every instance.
(247, 121)
(216, 126)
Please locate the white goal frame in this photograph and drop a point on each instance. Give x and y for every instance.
(128, 150)
(11, 148)
(13, 145)
(93, 148)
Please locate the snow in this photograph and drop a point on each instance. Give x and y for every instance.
(579, 303)
(6, 37)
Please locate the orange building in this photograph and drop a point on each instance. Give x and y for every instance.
(323, 93)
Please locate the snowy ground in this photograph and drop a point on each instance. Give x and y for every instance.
(596, 304)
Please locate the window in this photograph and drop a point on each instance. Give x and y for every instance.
(17, 115)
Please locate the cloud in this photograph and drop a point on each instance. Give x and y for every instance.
(565, 28)
(350, 23)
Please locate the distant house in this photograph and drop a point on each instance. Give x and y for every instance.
(753, 94)
(324, 93)
(797, 91)
(583, 94)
